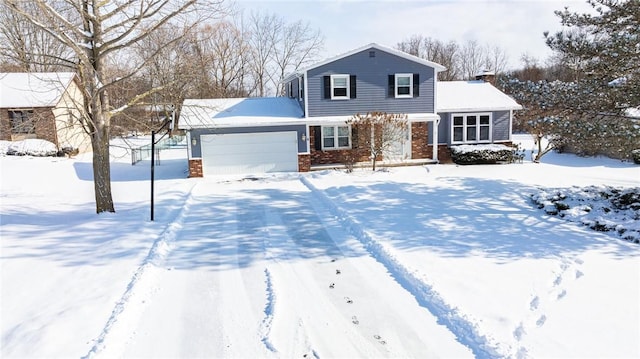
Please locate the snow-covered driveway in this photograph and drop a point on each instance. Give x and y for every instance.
(263, 269)
(428, 261)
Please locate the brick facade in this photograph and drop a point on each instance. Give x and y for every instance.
(195, 168)
(419, 141)
(444, 153)
(304, 163)
(44, 122)
(320, 157)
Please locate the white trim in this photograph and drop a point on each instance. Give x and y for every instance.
(306, 94)
(477, 126)
(395, 85)
(333, 87)
(435, 126)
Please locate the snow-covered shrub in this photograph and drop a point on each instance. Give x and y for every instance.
(482, 154)
(32, 147)
(635, 155)
(603, 209)
(4, 146)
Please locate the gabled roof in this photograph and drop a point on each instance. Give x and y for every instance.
(437, 67)
(455, 96)
(30, 89)
(239, 112)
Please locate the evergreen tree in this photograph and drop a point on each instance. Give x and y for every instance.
(605, 47)
(588, 115)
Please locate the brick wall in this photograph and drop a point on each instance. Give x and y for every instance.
(195, 168)
(45, 125)
(319, 157)
(43, 119)
(304, 163)
(419, 141)
(444, 153)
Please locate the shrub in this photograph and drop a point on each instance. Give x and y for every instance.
(32, 147)
(635, 155)
(482, 154)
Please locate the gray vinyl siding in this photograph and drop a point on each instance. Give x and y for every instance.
(371, 85)
(295, 91)
(499, 133)
(196, 151)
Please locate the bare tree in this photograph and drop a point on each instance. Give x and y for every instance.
(471, 59)
(379, 131)
(25, 47)
(94, 32)
(263, 30)
(297, 44)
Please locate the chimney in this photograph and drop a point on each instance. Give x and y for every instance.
(487, 76)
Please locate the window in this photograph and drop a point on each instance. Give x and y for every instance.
(22, 122)
(471, 128)
(404, 85)
(335, 137)
(339, 87)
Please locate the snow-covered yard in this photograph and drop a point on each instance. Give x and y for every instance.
(428, 261)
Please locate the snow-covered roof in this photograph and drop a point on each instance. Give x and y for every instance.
(239, 112)
(27, 90)
(472, 96)
(390, 50)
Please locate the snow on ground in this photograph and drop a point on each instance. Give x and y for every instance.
(426, 261)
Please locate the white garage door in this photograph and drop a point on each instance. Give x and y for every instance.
(244, 153)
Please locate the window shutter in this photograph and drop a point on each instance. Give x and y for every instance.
(327, 86)
(352, 86)
(416, 85)
(392, 86)
(317, 138)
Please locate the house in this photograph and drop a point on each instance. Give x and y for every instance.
(307, 127)
(46, 106)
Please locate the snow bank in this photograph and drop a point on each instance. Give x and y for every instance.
(32, 147)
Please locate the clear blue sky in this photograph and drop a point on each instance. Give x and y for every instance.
(515, 25)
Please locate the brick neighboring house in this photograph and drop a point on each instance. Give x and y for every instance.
(46, 106)
(308, 127)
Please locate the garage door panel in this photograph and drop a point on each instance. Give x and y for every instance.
(243, 153)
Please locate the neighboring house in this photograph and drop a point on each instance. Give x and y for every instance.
(46, 106)
(307, 128)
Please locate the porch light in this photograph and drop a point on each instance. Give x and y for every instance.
(303, 138)
(194, 142)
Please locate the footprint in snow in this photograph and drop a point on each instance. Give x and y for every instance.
(562, 294)
(355, 320)
(579, 274)
(349, 301)
(541, 320)
(535, 302)
(379, 339)
(332, 285)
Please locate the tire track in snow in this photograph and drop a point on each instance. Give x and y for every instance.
(128, 309)
(268, 312)
(466, 332)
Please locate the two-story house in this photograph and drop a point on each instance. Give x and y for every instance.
(308, 127)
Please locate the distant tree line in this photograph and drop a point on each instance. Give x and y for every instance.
(463, 61)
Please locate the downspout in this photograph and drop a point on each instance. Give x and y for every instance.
(436, 124)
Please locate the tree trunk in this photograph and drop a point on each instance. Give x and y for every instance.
(102, 172)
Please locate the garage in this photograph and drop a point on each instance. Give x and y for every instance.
(246, 153)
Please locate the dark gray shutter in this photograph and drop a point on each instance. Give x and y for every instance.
(352, 86)
(392, 86)
(317, 138)
(416, 85)
(327, 86)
